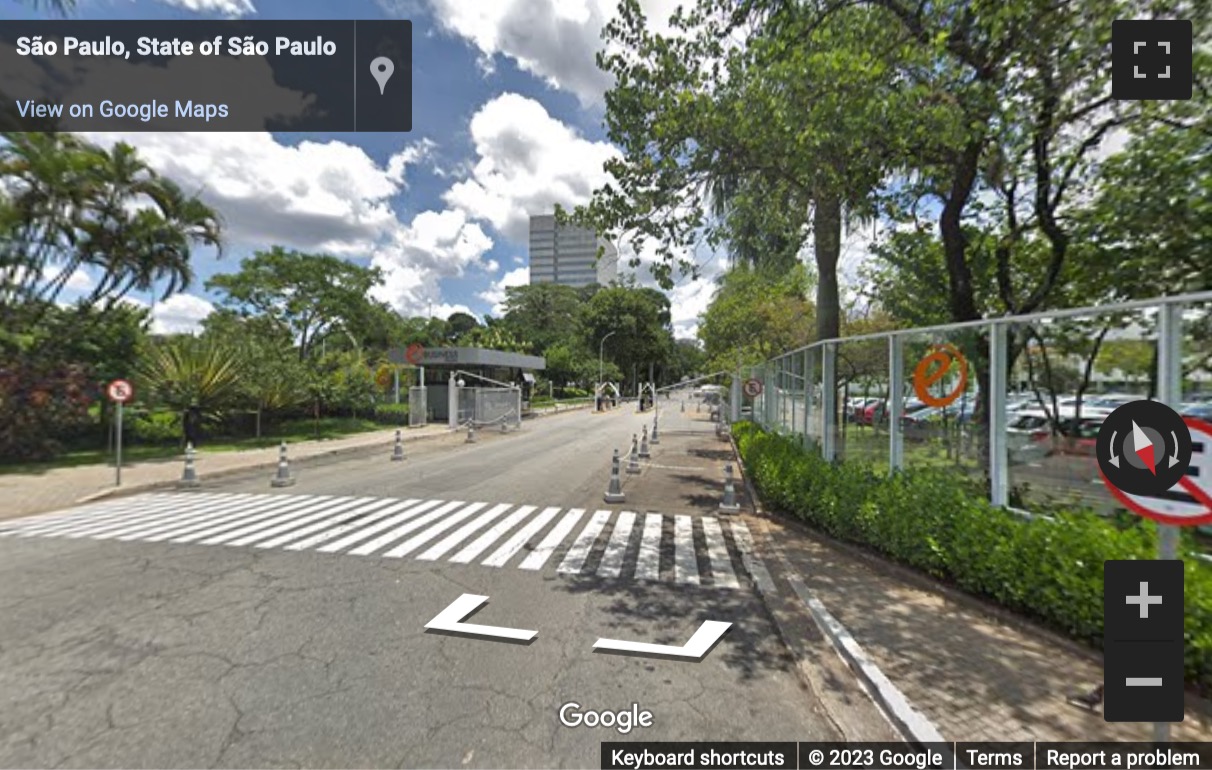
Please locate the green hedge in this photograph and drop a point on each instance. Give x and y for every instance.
(394, 414)
(1047, 568)
(156, 428)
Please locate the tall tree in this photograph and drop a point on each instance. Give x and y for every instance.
(312, 295)
(765, 131)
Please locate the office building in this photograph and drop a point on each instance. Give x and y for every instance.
(568, 255)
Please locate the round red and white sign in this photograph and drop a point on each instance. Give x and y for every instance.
(120, 391)
(1189, 502)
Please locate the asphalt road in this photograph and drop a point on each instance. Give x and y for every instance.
(129, 640)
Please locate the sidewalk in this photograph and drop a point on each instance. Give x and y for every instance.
(30, 493)
(973, 671)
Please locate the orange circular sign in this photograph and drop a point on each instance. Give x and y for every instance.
(943, 355)
(415, 354)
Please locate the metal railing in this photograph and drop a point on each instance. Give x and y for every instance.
(1046, 358)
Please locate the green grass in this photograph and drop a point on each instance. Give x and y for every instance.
(291, 431)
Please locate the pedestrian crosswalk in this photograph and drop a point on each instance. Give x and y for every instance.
(688, 550)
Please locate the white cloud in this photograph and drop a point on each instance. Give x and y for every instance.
(230, 8)
(319, 197)
(495, 294)
(180, 314)
(446, 310)
(433, 246)
(527, 161)
(554, 40)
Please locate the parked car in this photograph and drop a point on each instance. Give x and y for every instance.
(1198, 411)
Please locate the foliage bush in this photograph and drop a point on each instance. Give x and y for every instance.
(42, 402)
(394, 414)
(1049, 568)
(156, 428)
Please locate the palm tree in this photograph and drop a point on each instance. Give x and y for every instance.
(70, 204)
(192, 375)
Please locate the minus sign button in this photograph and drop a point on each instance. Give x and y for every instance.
(1144, 681)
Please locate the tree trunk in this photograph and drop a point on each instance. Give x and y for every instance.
(827, 245)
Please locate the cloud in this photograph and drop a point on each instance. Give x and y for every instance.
(495, 294)
(229, 8)
(527, 161)
(433, 246)
(554, 40)
(446, 310)
(180, 314)
(319, 197)
(327, 196)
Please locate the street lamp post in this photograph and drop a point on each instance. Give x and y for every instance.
(601, 350)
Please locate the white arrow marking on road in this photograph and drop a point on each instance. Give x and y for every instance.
(708, 634)
(450, 619)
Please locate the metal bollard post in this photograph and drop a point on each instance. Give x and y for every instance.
(614, 492)
(283, 477)
(397, 452)
(655, 438)
(471, 433)
(633, 460)
(729, 504)
(644, 453)
(189, 476)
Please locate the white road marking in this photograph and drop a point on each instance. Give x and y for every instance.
(443, 546)
(574, 560)
(685, 563)
(370, 529)
(648, 563)
(481, 543)
(368, 548)
(506, 552)
(420, 539)
(616, 548)
(717, 551)
(543, 551)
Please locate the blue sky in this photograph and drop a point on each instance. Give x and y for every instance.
(507, 121)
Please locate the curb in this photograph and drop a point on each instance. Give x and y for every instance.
(266, 465)
(149, 486)
(914, 726)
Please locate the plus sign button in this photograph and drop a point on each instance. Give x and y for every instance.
(1143, 641)
(1151, 59)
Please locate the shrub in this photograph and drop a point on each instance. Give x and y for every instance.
(156, 427)
(392, 414)
(1049, 568)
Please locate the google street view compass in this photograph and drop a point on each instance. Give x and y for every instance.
(1143, 448)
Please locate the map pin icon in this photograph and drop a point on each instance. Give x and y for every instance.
(381, 68)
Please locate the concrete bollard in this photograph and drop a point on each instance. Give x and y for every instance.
(614, 492)
(729, 504)
(644, 453)
(504, 426)
(189, 476)
(633, 459)
(397, 451)
(471, 433)
(655, 438)
(683, 407)
(283, 477)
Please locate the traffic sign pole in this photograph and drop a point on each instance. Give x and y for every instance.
(118, 449)
(1169, 392)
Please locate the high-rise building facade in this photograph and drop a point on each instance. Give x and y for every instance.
(569, 255)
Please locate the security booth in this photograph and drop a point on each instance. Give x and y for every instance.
(489, 386)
